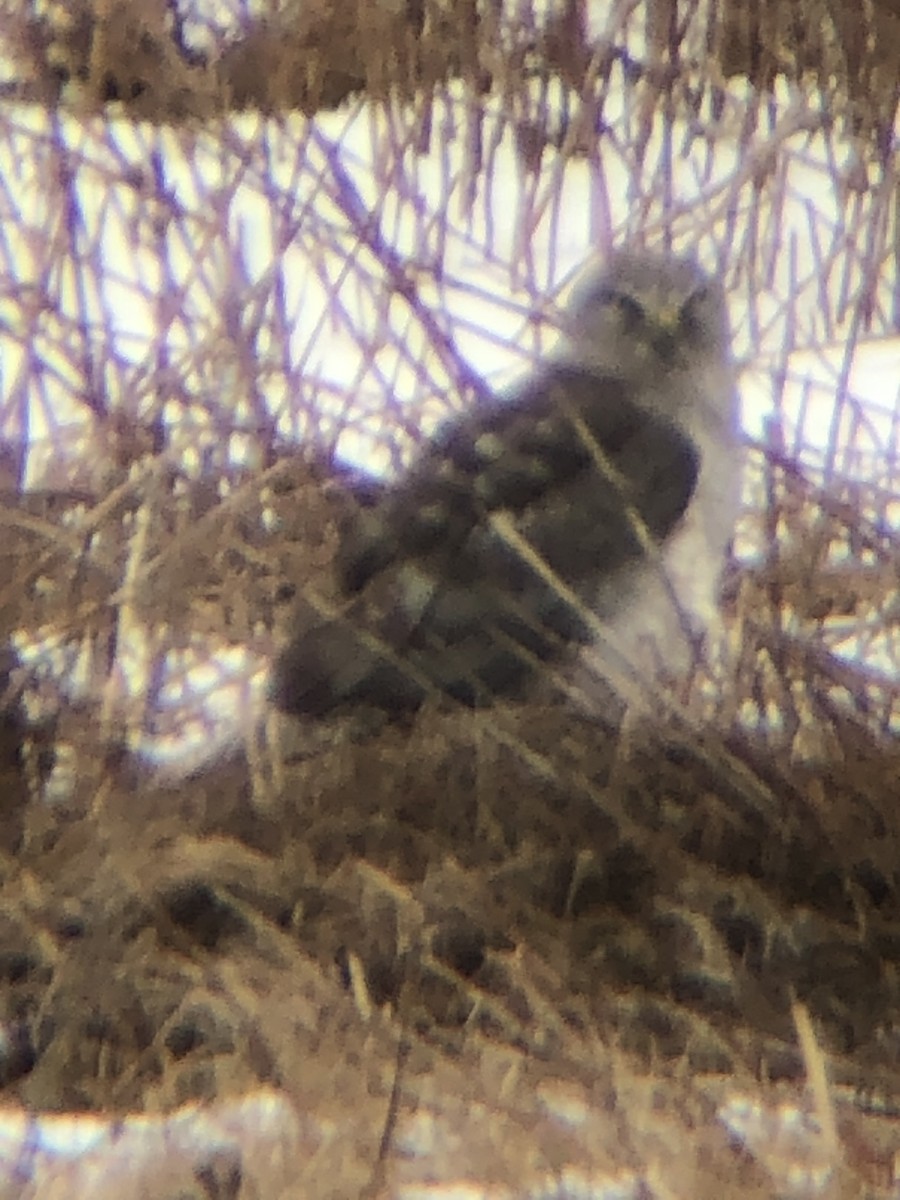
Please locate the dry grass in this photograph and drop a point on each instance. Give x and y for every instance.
(526, 948)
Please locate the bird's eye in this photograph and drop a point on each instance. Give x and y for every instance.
(692, 312)
(631, 312)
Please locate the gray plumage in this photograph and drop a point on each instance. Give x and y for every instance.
(617, 463)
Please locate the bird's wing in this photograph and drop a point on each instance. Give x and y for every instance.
(569, 455)
(441, 599)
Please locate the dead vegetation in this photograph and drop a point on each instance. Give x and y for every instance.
(525, 949)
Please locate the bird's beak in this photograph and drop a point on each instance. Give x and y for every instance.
(665, 328)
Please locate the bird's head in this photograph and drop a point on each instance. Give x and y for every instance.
(645, 316)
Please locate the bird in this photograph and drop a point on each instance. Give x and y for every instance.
(602, 489)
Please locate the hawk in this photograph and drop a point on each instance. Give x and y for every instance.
(603, 488)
